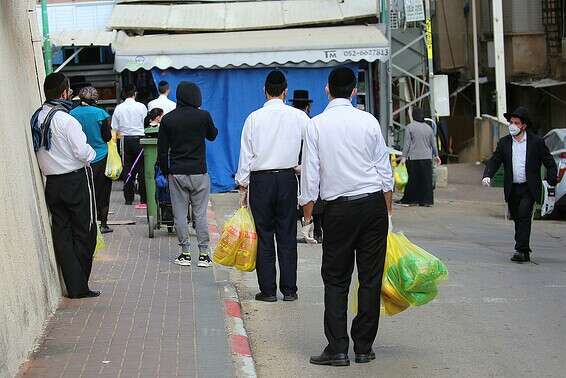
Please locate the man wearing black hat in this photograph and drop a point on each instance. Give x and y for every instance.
(302, 102)
(522, 153)
(346, 160)
(270, 146)
(64, 158)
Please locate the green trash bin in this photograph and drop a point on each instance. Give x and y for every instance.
(150, 158)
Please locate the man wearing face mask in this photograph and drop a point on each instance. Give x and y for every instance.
(522, 153)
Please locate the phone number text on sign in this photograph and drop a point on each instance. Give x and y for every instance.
(358, 53)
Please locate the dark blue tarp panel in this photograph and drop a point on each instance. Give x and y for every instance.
(230, 95)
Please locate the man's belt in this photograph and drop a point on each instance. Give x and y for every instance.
(267, 171)
(353, 198)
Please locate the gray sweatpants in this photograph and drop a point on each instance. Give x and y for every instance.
(193, 189)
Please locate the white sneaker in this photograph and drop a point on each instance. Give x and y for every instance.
(183, 260)
(204, 261)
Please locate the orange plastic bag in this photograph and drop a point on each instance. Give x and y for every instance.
(238, 243)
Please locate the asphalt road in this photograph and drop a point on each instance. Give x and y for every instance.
(492, 318)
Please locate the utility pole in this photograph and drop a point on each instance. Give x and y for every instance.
(499, 46)
(476, 63)
(384, 72)
(429, 53)
(47, 52)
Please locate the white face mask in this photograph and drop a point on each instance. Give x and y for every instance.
(514, 130)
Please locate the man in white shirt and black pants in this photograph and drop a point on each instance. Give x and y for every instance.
(271, 141)
(346, 159)
(64, 156)
(162, 102)
(128, 120)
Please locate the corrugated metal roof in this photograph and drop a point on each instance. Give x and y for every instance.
(83, 38)
(251, 48)
(238, 15)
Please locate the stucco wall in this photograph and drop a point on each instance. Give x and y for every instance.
(29, 282)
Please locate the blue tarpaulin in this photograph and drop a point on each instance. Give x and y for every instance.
(230, 95)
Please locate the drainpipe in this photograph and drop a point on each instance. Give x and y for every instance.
(47, 49)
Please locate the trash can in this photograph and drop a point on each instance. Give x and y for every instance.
(150, 158)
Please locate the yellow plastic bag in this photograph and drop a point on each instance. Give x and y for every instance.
(401, 177)
(247, 250)
(113, 162)
(410, 276)
(238, 243)
(100, 244)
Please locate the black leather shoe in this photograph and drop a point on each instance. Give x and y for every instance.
(290, 297)
(340, 359)
(362, 358)
(265, 298)
(520, 257)
(104, 229)
(88, 294)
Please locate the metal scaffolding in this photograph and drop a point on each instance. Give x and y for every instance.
(408, 85)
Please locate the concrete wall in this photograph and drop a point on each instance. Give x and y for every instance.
(29, 283)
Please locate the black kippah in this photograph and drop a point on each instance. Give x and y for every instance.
(54, 80)
(275, 78)
(341, 77)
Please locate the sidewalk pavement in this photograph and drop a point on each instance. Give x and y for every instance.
(491, 318)
(153, 319)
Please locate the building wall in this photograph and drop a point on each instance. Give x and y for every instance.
(29, 282)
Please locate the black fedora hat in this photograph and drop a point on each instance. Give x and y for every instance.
(301, 96)
(520, 112)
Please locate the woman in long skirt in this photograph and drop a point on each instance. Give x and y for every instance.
(418, 153)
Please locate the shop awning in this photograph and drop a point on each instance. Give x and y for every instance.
(82, 38)
(542, 83)
(251, 48)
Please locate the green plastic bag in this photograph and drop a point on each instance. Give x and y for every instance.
(412, 271)
(100, 244)
(401, 177)
(410, 277)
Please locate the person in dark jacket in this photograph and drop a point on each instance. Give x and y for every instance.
(522, 153)
(182, 158)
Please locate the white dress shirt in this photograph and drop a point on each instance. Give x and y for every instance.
(520, 160)
(69, 150)
(271, 139)
(344, 155)
(162, 102)
(128, 118)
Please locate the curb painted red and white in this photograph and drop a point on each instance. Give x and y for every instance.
(237, 336)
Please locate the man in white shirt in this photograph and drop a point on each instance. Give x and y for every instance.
(522, 179)
(271, 142)
(162, 102)
(345, 159)
(64, 156)
(128, 121)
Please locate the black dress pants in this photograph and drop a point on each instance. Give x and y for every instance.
(70, 199)
(102, 190)
(521, 203)
(132, 149)
(273, 202)
(353, 230)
